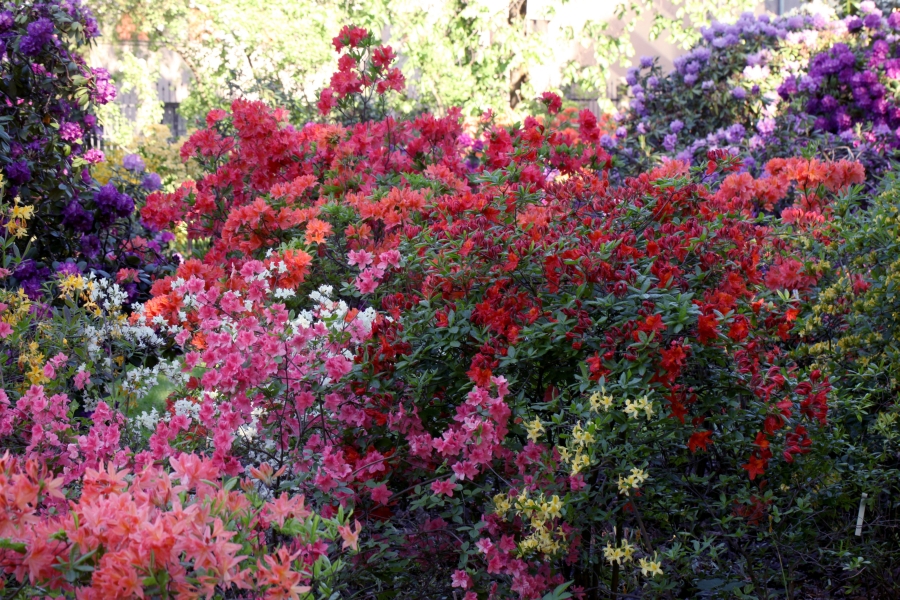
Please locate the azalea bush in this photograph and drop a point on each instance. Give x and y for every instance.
(81, 388)
(188, 532)
(850, 334)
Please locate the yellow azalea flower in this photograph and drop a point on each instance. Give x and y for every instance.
(627, 551)
(17, 228)
(639, 475)
(601, 401)
(581, 436)
(36, 375)
(634, 408)
(633, 481)
(553, 509)
(501, 504)
(650, 568)
(585, 461)
(620, 555)
(70, 284)
(23, 212)
(535, 429)
(613, 554)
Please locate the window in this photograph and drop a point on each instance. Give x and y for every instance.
(173, 120)
(780, 7)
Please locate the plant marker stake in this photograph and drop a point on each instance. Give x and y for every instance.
(862, 512)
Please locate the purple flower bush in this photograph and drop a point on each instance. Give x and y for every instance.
(47, 95)
(767, 88)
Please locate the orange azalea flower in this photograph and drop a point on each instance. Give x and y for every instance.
(317, 230)
(351, 538)
(279, 574)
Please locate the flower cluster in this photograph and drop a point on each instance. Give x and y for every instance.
(363, 77)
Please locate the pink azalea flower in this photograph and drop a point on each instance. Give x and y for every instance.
(381, 494)
(82, 378)
(461, 579)
(443, 487)
(360, 259)
(366, 283)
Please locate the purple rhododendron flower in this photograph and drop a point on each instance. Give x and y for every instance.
(669, 142)
(90, 246)
(112, 203)
(872, 21)
(18, 172)
(7, 19)
(104, 91)
(735, 133)
(31, 277)
(67, 268)
(676, 126)
(76, 217)
(94, 156)
(133, 162)
(739, 93)
(631, 76)
(766, 126)
(151, 182)
(70, 132)
(40, 32)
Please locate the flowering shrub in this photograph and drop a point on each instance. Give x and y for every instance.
(849, 335)
(770, 88)
(49, 93)
(525, 380)
(185, 531)
(82, 391)
(517, 374)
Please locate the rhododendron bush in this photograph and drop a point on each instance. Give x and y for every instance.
(772, 87)
(523, 380)
(66, 221)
